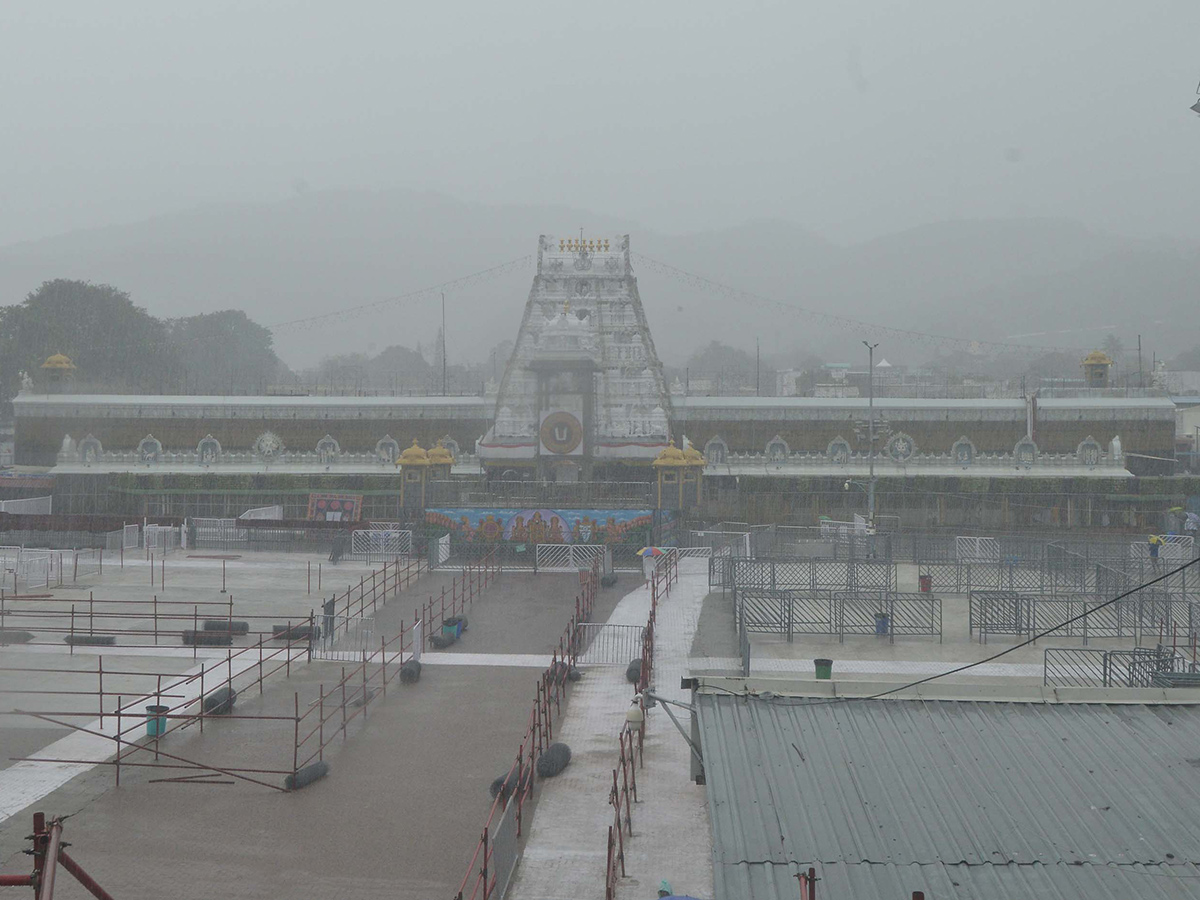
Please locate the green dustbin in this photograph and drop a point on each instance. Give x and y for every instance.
(452, 629)
(824, 669)
(156, 723)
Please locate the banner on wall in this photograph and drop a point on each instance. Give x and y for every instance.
(334, 507)
(543, 526)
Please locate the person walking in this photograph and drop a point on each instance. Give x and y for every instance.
(1155, 542)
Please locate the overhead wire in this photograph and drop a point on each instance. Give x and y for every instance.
(399, 299)
(845, 323)
(815, 701)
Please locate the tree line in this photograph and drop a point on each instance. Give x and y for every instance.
(117, 346)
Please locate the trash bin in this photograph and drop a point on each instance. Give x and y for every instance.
(824, 669)
(156, 723)
(882, 622)
(452, 628)
(925, 583)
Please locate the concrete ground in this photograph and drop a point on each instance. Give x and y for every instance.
(566, 852)
(401, 811)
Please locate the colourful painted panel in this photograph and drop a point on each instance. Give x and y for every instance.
(544, 526)
(335, 507)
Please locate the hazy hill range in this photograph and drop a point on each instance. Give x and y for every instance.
(326, 251)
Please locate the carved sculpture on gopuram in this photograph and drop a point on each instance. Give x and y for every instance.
(583, 394)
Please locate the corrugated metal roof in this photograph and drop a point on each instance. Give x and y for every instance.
(956, 798)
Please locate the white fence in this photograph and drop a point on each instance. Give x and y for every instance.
(273, 513)
(88, 562)
(977, 549)
(23, 568)
(441, 551)
(32, 506)
(33, 569)
(568, 557)
(382, 543)
(831, 528)
(224, 530)
(345, 638)
(603, 644)
(160, 538)
(734, 543)
(131, 537)
(694, 552)
(1176, 548)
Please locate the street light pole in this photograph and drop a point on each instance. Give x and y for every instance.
(871, 432)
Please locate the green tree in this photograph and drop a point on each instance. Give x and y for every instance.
(114, 344)
(729, 368)
(223, 352)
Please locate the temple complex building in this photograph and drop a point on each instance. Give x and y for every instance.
(582, 402)
(583, 395)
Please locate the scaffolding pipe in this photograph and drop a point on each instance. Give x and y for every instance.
(83, 877)
(50, 860)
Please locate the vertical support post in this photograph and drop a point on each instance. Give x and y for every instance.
(100, 678)
(222, 576)
(321, 722)
(296, 738)
(117, 738)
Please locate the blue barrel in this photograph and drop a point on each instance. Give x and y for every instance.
(156, 723)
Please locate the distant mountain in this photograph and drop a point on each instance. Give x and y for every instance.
(327, 251)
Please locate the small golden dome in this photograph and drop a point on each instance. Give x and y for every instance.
(58, 361)
(694, 457)
(414, 456)
(670, 455)
(1097, 358)
(440, 456)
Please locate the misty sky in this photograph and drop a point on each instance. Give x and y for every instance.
(853, 119)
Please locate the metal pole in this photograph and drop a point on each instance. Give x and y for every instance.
(50, 860)
(871, 431)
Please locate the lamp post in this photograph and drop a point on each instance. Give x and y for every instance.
(871, 432)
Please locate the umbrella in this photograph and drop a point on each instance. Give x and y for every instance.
(649, 551)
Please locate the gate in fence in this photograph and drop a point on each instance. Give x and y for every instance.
(841, 613)
(810, 575)
(1135, 668)
(160, 538)
(977, 549)
(222, 532)
(345, 638)
(568, 557)
(1173, 548)
(441, 551)
(130, 537)
(370, 543)
(602, 644)
(1155, 615)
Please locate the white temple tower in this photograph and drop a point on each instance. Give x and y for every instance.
(583, 394)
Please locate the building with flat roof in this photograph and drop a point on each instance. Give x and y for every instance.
(957, 798)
